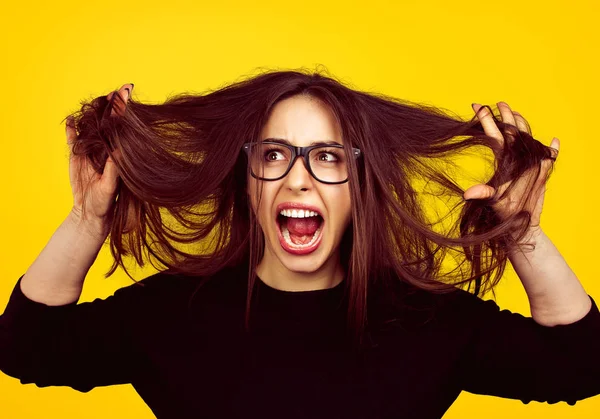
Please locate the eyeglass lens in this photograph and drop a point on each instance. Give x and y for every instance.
(270, 161)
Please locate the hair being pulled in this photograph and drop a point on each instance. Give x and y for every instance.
(182, 202)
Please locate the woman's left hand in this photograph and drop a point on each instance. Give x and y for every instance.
(509, 204)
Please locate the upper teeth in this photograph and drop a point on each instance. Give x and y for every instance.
(298, 213)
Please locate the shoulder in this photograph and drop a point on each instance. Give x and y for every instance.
(161, 286)
(412, 307)
(174, 291)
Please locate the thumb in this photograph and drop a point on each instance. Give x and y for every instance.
(110, 177)
(480, 191)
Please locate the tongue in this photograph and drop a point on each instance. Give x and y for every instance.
(302, 229)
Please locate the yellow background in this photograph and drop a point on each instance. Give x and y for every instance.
(540, 57)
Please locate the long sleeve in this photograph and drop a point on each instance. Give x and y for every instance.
(77, 345)
(510, 355)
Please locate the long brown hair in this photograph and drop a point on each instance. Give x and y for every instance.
(183, 200)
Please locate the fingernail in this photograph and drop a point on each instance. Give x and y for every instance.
(132, 85)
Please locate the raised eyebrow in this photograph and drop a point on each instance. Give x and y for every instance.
(284, 141)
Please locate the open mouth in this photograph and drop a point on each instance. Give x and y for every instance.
(300, 235)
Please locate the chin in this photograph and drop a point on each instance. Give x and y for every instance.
(302, 264)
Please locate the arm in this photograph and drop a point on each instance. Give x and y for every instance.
(77, 345)
(56, 277)
(555, 294)
(549, 357)
(47, 338)
(552, 356)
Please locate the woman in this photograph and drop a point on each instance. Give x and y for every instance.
(321, 293)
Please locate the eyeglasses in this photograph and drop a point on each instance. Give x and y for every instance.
(271, 160)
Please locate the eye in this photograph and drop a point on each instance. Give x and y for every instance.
(327, 156)
(273, 154)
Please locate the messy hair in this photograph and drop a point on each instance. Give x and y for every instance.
(182, 193)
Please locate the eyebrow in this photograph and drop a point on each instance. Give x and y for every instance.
(284, 141)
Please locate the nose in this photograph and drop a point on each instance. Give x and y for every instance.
(298, 177)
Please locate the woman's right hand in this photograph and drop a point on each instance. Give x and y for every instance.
(102, 187)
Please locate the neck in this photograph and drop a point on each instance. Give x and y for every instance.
(276, 275)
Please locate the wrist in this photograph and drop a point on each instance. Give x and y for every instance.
(531, 236)
(90, 226)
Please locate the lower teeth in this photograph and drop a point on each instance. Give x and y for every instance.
(286, 236)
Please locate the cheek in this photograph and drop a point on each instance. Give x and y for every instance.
(341, 207)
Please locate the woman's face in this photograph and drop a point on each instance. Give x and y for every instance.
(302, 120)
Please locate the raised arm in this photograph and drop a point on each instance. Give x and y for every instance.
(56, 277)
(45, 337)
(553, 355)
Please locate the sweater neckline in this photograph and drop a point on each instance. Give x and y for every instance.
(318, 293)
(299, 304)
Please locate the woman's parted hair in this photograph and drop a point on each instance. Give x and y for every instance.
(184, 175)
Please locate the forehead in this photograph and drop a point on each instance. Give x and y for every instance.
(302, 120)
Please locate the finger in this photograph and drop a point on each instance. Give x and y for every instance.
(554, 149)
(487, 121)
(109, 180)
(548, 162)
(71, 134)
(522, 123)
(119, 105)
(555, 145)
(506, 113)
(70, 131)
(86, 167)
(480, 191)
(116, 154)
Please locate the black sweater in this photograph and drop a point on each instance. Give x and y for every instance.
(190, 357)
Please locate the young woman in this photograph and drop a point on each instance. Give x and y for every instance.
(303, 277)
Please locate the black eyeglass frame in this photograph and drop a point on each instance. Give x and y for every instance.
(298, 152)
